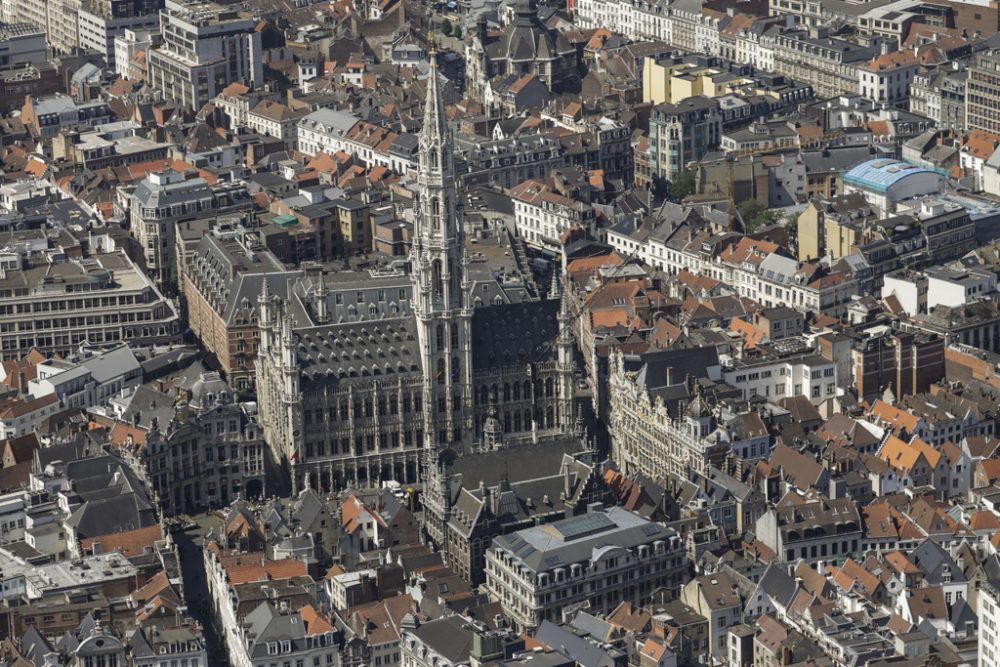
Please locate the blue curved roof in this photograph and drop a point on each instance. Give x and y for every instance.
(881, 173)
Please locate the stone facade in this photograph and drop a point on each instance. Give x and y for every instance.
(527, 46)
(352, 403)
(662, 438)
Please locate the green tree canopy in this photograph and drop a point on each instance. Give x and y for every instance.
(756, 214)
(683, 185)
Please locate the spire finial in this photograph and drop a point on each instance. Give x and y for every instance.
(579, 419)
(433, 130)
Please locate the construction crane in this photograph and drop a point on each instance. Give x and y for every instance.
(731, 194)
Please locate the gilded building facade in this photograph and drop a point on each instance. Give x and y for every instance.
(662, 421)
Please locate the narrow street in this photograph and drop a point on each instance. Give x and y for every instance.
(189, 549)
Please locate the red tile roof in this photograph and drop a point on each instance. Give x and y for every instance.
(129, 543)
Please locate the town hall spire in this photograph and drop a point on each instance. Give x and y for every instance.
(440, 289)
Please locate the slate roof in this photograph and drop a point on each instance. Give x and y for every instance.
(34, 646)
(527, 39)
(513, 463)
(777, 583)
(519, 501)
(663, 368)
(233, 281)
(580, 538)
(266, 624)
(111, 515)
(359, 349)
(514, 333)
(586, 653)
(596, 628)
(934, 562)
(449, 637)
(149, 195)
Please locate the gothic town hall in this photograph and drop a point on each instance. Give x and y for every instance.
(380, 390)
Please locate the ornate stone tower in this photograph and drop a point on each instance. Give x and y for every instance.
(440, 288)
(565, 363)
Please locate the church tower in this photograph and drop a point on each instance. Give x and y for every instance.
(440, 287)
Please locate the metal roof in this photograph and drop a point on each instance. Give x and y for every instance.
(881, 173)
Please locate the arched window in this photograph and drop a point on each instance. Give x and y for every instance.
(527, 419)
(440, 371)
(456, 371)
(484, 396)
(506, 422)
(527, 389)
(517, 421)
(548, 387)
(433, 156)
(549, 417)
(436, 274)
(517, 391)
(454, 336)
(506, 391)
(440, 337)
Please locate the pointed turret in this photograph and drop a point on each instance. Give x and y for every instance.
(265, 292)
(264, 315)
(434, 130)
(322, 308)
(555, 287)
(437, 222)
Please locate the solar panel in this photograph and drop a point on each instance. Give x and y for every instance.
(580, 526)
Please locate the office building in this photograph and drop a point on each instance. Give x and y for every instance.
(205, 48)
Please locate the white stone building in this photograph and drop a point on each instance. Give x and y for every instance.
(989, 625)
(604, 557)
(541, 214)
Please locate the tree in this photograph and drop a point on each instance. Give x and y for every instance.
(683, 185)
(792, 230)
(457, 32)
(756, 214)
(446, 27)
